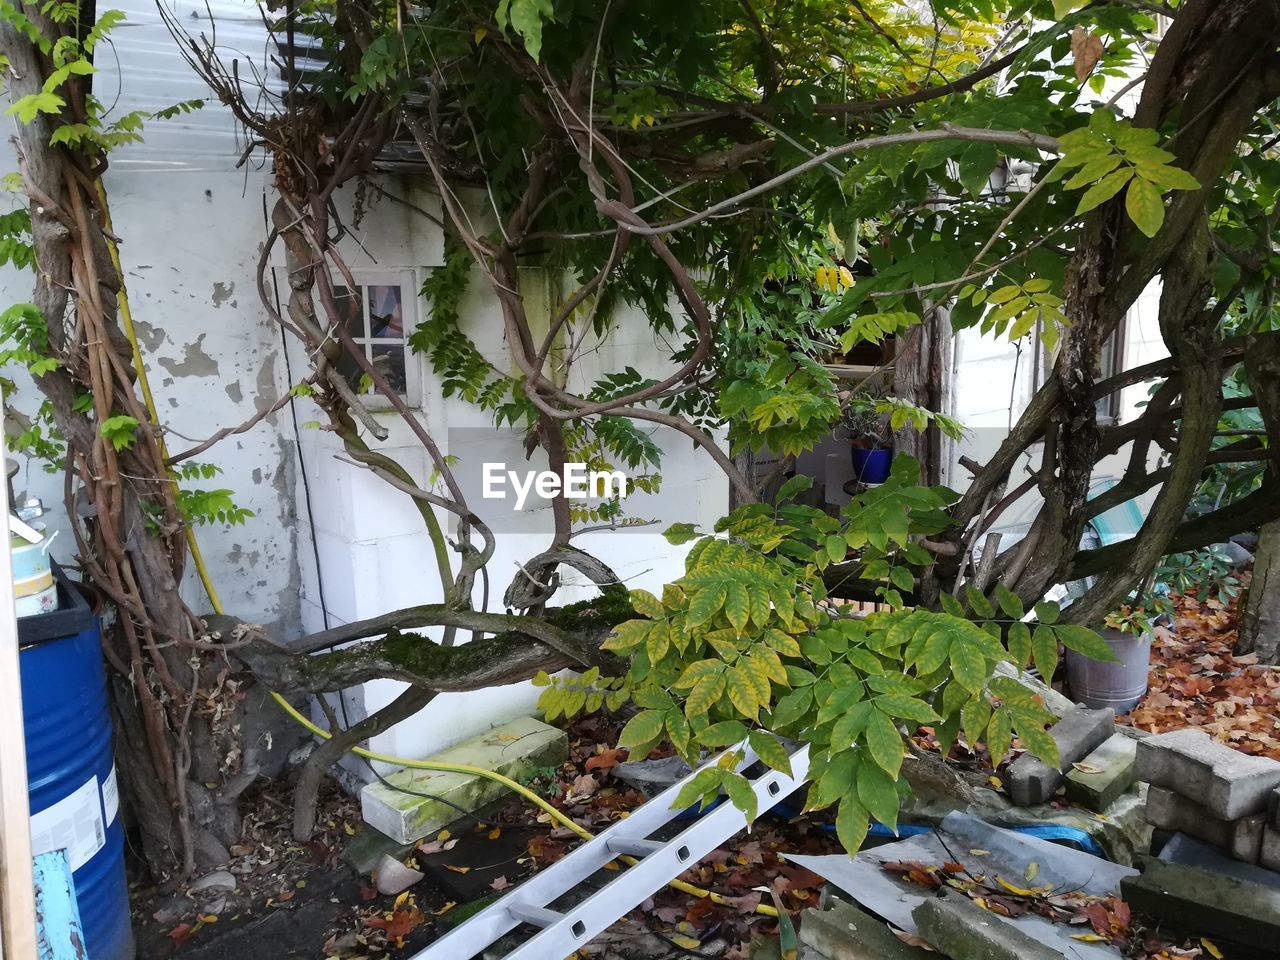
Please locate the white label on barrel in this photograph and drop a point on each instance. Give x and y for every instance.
(73, 824)
(111, 797)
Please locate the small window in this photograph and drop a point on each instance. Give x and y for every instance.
(377, 317)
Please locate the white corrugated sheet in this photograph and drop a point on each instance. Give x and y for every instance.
(144, 69)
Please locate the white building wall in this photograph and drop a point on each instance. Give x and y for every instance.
(192, 223)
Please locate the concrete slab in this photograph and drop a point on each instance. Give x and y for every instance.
(1108, 772)
(1228, 783)
(842, 931)
(1206, 904)
(958, 928)
(398, 808)
(1241, 838)
(1081, 731)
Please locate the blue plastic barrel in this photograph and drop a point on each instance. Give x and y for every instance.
(71, 779)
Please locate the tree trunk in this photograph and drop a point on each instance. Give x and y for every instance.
(180, 757)
(1259, 628)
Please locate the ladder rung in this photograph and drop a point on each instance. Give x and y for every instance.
(634, 848)
(538, 916)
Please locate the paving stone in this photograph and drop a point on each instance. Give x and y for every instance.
(1030, 780)
(1229, 783)
(1269, 856)
(1117, 772)
(1205, 904)
(1241, 838)
(514, 748)
(960, 929)
(842, 931)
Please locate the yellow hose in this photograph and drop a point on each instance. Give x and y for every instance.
(126, 317)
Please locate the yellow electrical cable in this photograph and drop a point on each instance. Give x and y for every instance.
(126, 317)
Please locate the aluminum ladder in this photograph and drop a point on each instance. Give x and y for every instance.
(660, 861)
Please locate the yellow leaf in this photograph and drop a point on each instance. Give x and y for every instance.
(1032, 870)
(1088, 938)
(1211, 947)
(400, 900)
(996, 782)
(687, 943)
(348, 829)
(213, 918)
(480, 34)
(450, 866)
(495, 833)
(980, 853)
(446, 908)
(443, 835)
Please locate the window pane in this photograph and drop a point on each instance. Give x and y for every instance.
(388, 360)
(349, 311)
(386, 312)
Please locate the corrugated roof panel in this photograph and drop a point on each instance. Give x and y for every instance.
(144, 69)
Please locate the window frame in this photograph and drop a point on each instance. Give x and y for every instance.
(407, 281)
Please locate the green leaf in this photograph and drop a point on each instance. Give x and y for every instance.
(679, 533)
(1020, 645)
(647, 604)
(1104, 190)
(658, 641)
(741, 794)
(884, 743)
(851, 824)
(1037, 740)
(797, 484)
(1084, 641)
(1010, 602)
(769, 750)
(742, 691)
(1047, 612)
(792, 707)
(641, 729)
(703, 782)
(833, 783)
(723, 734)
(1044, 650)
(1168, 177)
(705, 692)
(1145, 206)
(1062, 7)
(526, 18)
(878, 793)
(907, 708)
(705, 604)
(627, 636)
(969, 665)
(737, 605)
(999, 735)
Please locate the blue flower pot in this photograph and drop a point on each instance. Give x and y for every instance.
(871, 466)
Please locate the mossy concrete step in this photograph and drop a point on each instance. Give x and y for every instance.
(396, 809)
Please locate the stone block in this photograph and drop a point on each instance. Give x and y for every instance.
(1031, 781)
(511, 749)
(1205, 904)
(1269, 856)
(1116, 769)
(844, 932)
(1228, 783)
(958, 928)
(1242, 838)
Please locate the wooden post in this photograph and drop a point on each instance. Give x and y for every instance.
(17, 896)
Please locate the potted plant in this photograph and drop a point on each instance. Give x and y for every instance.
(867, 428)
(1122, 682)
